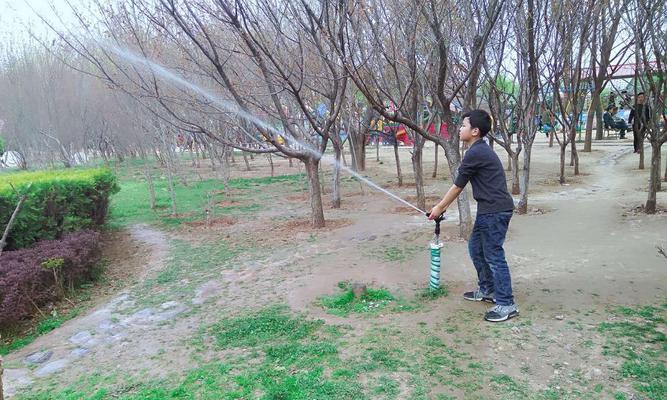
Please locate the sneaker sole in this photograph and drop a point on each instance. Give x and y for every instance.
(505, 318)
(484, 299)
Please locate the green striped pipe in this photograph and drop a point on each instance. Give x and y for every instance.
(434, 283)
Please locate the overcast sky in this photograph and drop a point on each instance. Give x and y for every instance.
(17, 17)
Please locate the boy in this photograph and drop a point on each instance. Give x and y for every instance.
(482, 167)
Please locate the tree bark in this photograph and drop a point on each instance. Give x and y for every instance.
(417, 167)
(170, 174)
(245, 159)
(575, 156)
(516, 186)
(641, 153)
(398, 163)
(588, 139)
(317, 212)
(562, 163)
(335, 201)
(522, 208)
(12, 220)
(271, 164)
(599, 122)
(654, 180)
(435, 165)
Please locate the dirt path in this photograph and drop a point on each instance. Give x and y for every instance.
(99, 334)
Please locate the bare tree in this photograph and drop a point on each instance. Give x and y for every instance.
(264, 66)
(378, 57)
(649, 28)
(607, 54)
(568, 51)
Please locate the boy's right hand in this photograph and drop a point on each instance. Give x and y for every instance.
(435, 212)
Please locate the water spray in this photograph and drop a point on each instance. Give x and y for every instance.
(166, 73)
(435, 245)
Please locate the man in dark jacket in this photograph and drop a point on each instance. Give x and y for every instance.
(639, 117)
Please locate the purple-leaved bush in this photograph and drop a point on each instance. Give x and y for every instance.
(27, 277)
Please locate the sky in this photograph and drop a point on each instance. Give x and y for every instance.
(17, 17)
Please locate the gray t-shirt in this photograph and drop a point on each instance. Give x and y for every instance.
(482, 167)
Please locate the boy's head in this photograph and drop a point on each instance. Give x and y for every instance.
(476, 124)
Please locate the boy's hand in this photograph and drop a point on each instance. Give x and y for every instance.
(436, 212)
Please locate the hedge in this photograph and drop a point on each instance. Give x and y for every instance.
(34, 277)
(59, 201)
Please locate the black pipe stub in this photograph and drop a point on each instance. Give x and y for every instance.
(437, 221)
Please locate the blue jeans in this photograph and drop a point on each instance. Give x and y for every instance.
(488, 256)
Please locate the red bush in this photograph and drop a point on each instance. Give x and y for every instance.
(36, 276)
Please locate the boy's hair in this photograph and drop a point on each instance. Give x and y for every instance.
(640, 94)
(479, 119)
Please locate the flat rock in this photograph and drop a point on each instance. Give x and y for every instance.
(81, 337)
(169, 304)
(15, 379)
(79, 352)
(106, 326)
(52, 367)
(39, 357)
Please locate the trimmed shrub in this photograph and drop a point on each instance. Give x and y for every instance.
(59, 201)
(31, 278)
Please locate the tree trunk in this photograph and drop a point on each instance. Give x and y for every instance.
(516, 186)
(552, 134)
(665, 178)
(563, 147)
(172, 191)
(599, 122)
(588, 139)
(245, 159)
(377, 149)
(271, 164)
(654, 180)
(197, 155)
(435, 166)
(398, 164)
(317, 212)
(522, 208)
(575, 156)
(641, 153)
(417, 167)
(335, 201)
(170, 173)
(151, 186)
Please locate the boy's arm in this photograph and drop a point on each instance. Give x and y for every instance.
(450, 196)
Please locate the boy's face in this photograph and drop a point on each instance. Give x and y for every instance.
(640, 99)
(466, 133)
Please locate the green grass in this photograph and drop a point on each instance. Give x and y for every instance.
(291, 359)
(256, 328)
(396, 253)
(642, 345)
(344, 303)
(132, 203)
